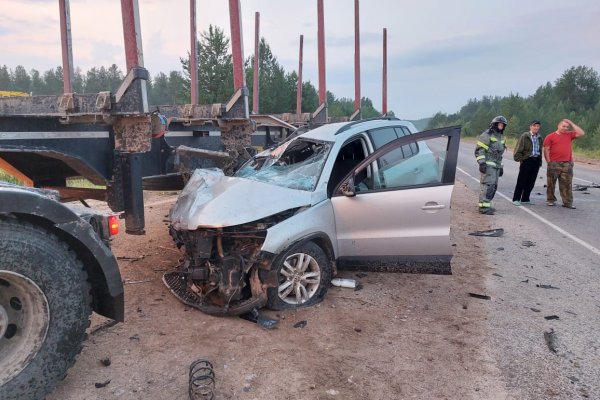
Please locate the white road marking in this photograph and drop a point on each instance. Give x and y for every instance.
(541, 219)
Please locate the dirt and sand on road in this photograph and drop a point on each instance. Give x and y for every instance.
(400, 336)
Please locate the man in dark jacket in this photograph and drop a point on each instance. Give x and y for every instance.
(528, 152)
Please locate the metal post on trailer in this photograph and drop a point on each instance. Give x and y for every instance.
(193, 54)
(356, 57)
(256, 83)
(66, 45)
(321, 52)
(299, 90)
(384, 75)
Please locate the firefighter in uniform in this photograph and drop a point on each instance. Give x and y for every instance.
(488, 153)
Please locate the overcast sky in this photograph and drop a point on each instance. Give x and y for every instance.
(440, 53)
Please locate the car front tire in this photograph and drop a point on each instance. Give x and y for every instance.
(304, 274)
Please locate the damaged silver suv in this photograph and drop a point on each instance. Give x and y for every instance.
(370, 194)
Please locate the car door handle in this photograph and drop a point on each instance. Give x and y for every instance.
(433, 207)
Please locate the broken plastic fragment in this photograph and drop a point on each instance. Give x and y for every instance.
(490, 233)
(480, 296)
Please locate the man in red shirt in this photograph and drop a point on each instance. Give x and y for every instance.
(559, 156)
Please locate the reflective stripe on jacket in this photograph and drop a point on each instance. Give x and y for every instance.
(490, 148)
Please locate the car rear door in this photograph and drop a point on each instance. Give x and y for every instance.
(394, 207)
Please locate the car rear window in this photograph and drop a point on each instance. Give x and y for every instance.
(383, 136)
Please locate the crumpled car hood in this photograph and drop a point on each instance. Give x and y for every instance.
(212, 200)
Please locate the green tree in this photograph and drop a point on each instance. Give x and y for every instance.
(215, 68)
(6, 82)
(276, 90)
(579, 88)
(38, 85)
(21, 79)
(53, 79)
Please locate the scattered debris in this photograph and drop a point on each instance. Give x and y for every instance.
(527, 243)
(525, 281)
(549, 317)
(580, 188)
(357, 330)
(359, 286)
(534, 309)
(344, 282)
(573, 379)
(497, 274)
(201, 380)
(489, 233)
(104, 325)
(135, 337)
(131, 259)
(361, 275)
(551, 340)
(500, 248)
(130, 282)
(105, 361)
(258, 318)
(300, 324)
(546, 286)
(570, 312)
(332, 392)
(480, 296)
(99, 385)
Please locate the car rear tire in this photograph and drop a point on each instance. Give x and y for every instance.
(44, 310)
(303, 274)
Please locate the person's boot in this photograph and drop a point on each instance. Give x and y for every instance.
(487, 210)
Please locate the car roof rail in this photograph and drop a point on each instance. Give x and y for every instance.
(351, 124)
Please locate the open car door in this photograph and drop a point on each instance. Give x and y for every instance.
(392, 211)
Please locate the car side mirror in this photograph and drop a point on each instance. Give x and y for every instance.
(347, 188)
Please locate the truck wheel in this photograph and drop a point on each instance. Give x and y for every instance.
(44, 310)
(303, 274)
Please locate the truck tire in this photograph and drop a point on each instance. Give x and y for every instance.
(45, 305)
(303, 273)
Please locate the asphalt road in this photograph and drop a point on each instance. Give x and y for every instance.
(543, 284)
(580, 225)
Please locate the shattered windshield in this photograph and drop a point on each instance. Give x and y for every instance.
(295, 164)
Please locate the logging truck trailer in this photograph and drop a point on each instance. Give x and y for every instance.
(56, 266)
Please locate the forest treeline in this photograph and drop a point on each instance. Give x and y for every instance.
(574, 95)
(278, 88)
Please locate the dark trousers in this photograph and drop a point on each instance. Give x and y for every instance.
(526, 180)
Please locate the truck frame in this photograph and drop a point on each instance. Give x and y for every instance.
(56, 264)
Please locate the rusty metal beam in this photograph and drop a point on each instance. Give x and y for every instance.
(321, 50)
(384, 80)
(193, 54)
(132, 34)
(9, 169)
(66, 45)
(72, 193)
(299, 90)
(239, 80)
(256, 83)
(356, 56)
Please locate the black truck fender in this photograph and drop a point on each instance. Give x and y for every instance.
(42, 208)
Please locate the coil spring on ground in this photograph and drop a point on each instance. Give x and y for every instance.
(202, 380)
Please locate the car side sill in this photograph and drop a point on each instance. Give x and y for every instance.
(438, 265)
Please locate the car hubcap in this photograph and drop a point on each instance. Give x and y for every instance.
(24, 318)
(301, 276)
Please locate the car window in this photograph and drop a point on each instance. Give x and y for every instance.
(403, 167)
(296, 164)
(380, 137)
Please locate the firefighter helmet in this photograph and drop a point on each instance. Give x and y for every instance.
(499, 118)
